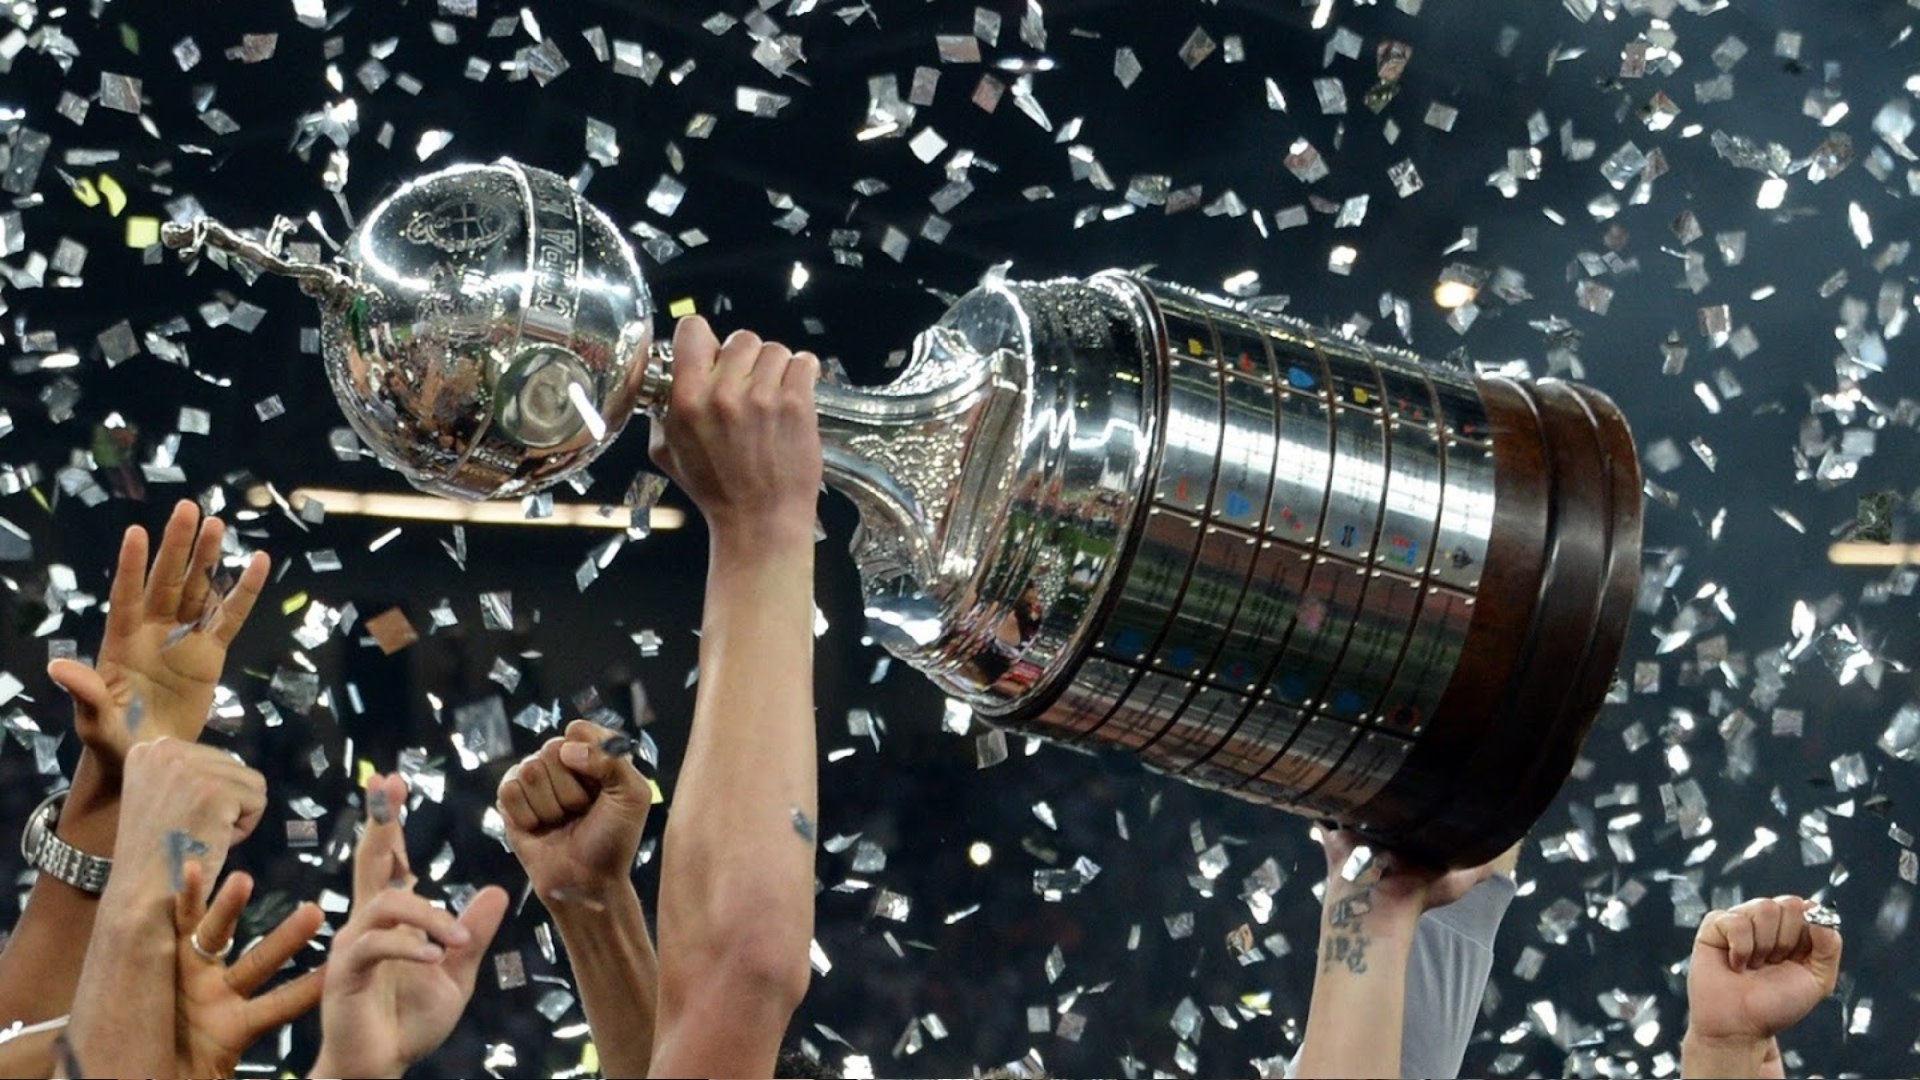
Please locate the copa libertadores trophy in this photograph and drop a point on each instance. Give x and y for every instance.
(1110, 512)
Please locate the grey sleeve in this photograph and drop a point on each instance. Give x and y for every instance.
(1446, 980)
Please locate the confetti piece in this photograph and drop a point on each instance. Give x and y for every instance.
(113, 193)
(142, 232)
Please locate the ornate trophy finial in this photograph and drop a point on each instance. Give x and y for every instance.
(1109, 512)
(324, 283)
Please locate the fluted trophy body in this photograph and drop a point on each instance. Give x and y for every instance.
(1110, 512)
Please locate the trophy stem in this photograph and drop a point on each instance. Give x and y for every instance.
(899, 452)
(332, 288)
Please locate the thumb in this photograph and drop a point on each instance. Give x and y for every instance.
(81, 683)
(1824, 961)
(657, 449)
(604, 758)
(92, 703)
(482, 919)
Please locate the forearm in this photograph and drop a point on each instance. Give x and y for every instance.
(614, 969)
(1702, 1056)
(1358, 1009)
(738, 865)
(28, 1054)
(40, 968)
(123, 1007)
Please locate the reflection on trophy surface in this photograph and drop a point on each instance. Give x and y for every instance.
(1110, 512)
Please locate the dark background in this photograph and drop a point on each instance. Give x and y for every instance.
(1605, 996)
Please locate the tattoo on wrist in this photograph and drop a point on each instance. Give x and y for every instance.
(181, 846)
(1346, 936)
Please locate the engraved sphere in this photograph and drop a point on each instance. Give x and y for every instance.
(500, 334)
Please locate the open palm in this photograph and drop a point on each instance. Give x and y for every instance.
(166, 639)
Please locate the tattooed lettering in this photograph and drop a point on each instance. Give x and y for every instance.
(1346, 936)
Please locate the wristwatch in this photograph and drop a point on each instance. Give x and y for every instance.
(51, 855)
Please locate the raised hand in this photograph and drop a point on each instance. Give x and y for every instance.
(220, 1013)
(1758, 969)
(401, 971)
(575, 811)
(181, 802)
(1369, 918)
(741, 435)
(574, 814)
(1392, 882)
(165, 643)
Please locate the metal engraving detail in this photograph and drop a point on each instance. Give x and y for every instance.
(926, 461)
(462, 223)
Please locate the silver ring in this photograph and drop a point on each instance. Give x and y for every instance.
(204, 953)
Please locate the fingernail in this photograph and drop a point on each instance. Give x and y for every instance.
(378, 807)
(459, 935)
(619, 745)
(432, 953)
(574, 754)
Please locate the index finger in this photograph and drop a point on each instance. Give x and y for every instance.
(695, 348)
(238, 603)
(381, 857)
(259, 963)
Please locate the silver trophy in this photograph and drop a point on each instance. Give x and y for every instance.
(1110, 512)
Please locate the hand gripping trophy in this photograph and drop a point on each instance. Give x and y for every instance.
(1110, 512)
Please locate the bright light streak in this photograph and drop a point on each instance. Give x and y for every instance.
(407, 507)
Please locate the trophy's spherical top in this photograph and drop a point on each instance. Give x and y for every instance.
(498, 335)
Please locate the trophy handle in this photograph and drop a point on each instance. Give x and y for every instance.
(332, 288)
(900, 452)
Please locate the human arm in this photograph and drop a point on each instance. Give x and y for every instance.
(401, 971)
(1368, 928)
(181, 803)
(30, 1050)
(1447, 973)
(736, 885)
(575, 812)
(1756, 970)
(173, 685)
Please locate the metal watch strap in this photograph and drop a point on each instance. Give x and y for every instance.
(53, 856)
